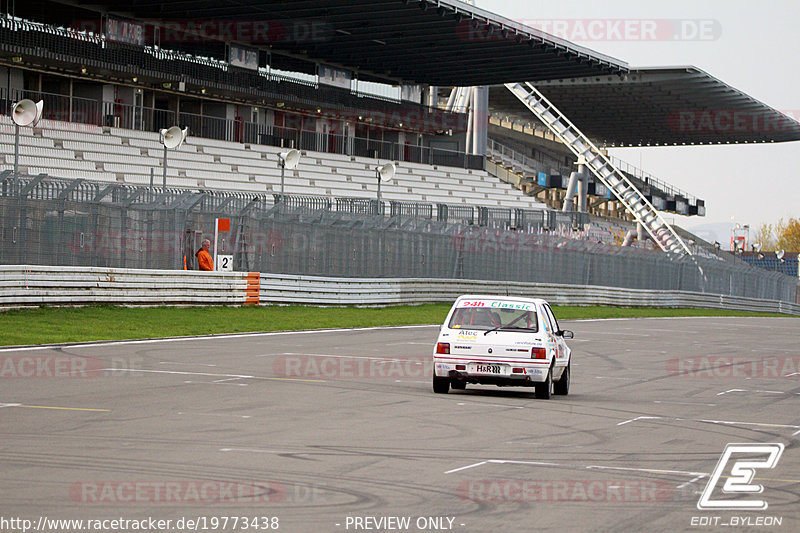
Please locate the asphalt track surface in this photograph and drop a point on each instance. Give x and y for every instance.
(335, 431)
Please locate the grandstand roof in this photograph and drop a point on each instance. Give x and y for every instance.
(451, 43)
(437, 42)
(659, 106)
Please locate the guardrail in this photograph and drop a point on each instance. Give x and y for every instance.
(62, 285)
(43, 285)
(277, 288)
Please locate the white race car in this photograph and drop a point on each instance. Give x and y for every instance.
(503, 341)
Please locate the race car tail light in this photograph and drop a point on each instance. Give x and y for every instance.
(461, 367)
(538, 353)
(518, 370)
(442, 347)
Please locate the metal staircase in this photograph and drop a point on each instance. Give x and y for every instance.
(626, 192)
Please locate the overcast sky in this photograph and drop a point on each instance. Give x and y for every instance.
(753, 46)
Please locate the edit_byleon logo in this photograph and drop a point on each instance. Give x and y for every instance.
(739, 480)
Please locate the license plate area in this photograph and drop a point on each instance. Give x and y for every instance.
(492, 369)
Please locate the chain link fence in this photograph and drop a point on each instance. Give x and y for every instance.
(51, 221)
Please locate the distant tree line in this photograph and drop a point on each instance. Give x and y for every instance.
(784, 235)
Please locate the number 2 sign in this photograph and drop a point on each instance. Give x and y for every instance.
(225, 263)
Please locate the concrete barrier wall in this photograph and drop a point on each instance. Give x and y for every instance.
(43, 285)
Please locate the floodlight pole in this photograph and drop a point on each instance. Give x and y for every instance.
(283, 170)
(16, 158)
(378, 174)
(164, 178)
(16, 150)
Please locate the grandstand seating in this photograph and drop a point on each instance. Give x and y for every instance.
(127, 156)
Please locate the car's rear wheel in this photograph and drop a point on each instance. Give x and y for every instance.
(440, 385)
(545, 389)
(561, 387)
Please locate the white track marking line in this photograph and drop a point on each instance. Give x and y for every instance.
(253, 450)
(465, 467)
(9, 405)
(187, 364)
(513, 462)
(209, 337)
(708, 421)
(650, 470)
(639, 418)
(756, 390)
(685, 403)
(729, 390)
(698, 478)
(698, 475)
(214, 414)
(181, 373)
(384, 359)
(492, 405)
(214, 383)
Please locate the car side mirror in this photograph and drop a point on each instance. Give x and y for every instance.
(567, 334)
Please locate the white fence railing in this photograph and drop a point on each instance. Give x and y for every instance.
(43, 285)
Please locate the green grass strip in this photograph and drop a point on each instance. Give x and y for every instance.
(48, 325)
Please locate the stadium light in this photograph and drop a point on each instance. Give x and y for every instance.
(290, 160)
(384, 173)
(171, 138)
(24, 113)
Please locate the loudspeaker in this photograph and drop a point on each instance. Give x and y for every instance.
(27, 113)
(290, 159)
(386, 172)
(173, 137)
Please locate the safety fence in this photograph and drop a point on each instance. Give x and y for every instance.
(78, 223)
(31, 285)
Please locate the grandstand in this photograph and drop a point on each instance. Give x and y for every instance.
(60, 150)
(788, 263)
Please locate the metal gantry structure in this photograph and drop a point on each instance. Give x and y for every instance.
(601, 166)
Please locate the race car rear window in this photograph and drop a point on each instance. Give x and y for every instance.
(484, 315)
